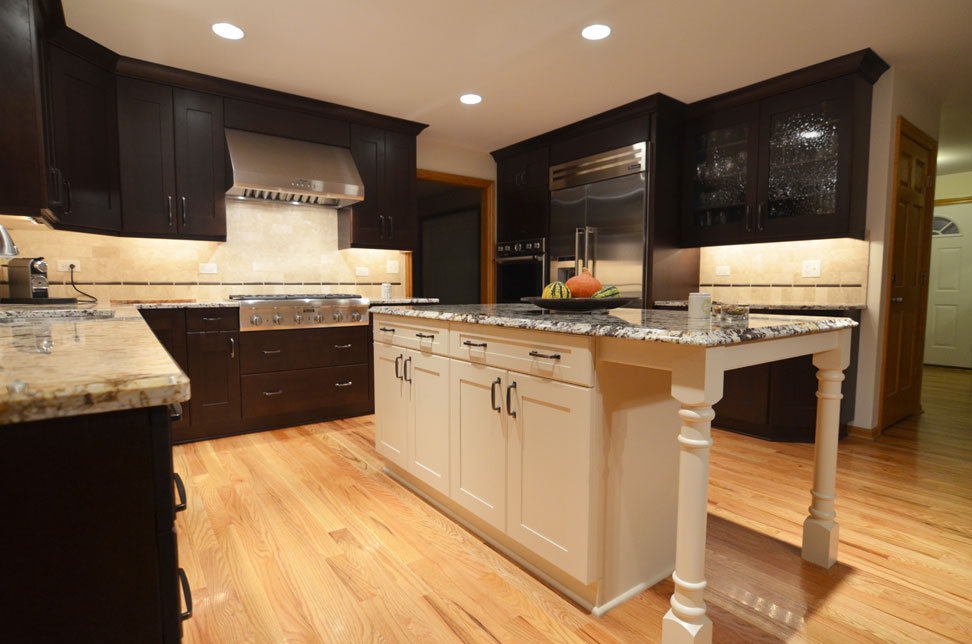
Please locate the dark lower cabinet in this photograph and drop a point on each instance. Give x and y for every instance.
(89, 553)
(214, 373)
(169, 327)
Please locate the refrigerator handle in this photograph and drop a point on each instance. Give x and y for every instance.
(577, 235)
(588, 259)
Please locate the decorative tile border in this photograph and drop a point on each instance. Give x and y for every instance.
(780, 285)
(95, 283)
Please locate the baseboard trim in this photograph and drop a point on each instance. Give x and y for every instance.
(862, 432)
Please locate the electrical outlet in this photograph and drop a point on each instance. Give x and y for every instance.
(722, 271)
(208, 269)
(361, 271)
(64, 265)
(391, 267)
(811, 268)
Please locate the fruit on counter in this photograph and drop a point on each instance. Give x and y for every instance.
(556, 290)
(608, 291)
(583, 285)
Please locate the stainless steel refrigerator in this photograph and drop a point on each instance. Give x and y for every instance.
(598, 219)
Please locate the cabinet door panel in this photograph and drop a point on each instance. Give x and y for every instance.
(391, 405)
(478, 441)
(214, 369)
(169, 327)
(146, 154)
(551, 473)
(368, 152)
(524, 196)
(398, 202)
(200, 163)
(85, 142)
(428, 453)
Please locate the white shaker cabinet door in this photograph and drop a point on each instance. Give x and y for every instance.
(429, 418)
(479, 430)
(391, 404)
(551, 472)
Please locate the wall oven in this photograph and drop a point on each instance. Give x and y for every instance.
(521, 269)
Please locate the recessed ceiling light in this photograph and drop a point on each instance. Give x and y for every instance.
(228, 31)
(471, 99)
(596, 32)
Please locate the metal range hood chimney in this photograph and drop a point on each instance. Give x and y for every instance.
(272, 168)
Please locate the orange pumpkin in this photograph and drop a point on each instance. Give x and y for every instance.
(583, 285)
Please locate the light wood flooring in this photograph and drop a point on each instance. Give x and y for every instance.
(297, 536)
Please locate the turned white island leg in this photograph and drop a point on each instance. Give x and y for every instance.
(697, 390)
(820, 530)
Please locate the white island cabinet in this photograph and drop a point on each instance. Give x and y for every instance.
(579, 444)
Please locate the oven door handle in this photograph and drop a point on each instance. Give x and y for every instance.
(519, 258)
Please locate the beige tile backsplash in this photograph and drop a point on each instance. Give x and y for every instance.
(772, 273)
(265, 243)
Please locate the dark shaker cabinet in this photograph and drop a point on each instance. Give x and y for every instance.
(85, 143)
(523, 205)
(213, 347)
(172, 154)
(169, 327)
(387, 216)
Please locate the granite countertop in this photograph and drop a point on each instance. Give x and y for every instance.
(234, 304)
(683, 304)
(637, 324)
(67, 361)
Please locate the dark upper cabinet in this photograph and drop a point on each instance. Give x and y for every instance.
(523, 195)
(387, 216)
(172, 153)
(200, 162)
(24, 186)
(85, 143)
(278, 121)
(790, 166)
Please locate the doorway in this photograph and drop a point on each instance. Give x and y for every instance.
(906, 297)
(453, 261)
(948, 339)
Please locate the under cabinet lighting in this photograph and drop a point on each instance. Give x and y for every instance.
(471, 99)
(596, 32)
(228, 31)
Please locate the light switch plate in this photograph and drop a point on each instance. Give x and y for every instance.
(391, 267)
(64, 265)
(811, 268)
(723, 271)
(208, 269)
(361, 271)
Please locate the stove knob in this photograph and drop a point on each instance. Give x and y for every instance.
(518, 247)
(297, 318)
(256, 320)
(356, 316)
(338, 316)
(276, 318)
(317, 317)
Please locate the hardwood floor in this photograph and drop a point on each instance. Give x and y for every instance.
(297, 536)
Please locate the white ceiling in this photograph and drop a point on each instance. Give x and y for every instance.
(412, 59)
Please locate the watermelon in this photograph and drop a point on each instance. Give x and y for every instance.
(608, 291)
(557, 290)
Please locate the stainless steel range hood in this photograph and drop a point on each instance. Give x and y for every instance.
(272, 168)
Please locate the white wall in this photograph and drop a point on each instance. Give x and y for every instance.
(894, 95)
(953, 186)
(445, 157)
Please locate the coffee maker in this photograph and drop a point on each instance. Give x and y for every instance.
(27, 277)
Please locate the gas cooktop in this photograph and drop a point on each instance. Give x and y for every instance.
(298, 296)
(301, 311)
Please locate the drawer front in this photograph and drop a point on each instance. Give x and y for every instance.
(271, 351)
(569, 358)
(431, 336)
(220, 319)
(283, 392)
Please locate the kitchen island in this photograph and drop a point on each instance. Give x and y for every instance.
(578, 444)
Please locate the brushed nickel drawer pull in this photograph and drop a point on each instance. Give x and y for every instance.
(270, 352)
(552, 356)
(342, 346)
(470, 343)
(273, 393)
(425, 336)
(212, 319)
(343, 384)
(386, 330)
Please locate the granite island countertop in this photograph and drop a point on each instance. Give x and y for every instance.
(235, 304)
(683, 304)
(60, 361)
(637, 324)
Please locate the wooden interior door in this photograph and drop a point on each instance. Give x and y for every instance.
(428, 416)
(907, 293)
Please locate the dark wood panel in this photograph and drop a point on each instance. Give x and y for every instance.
(169, 327)
(745, 400)
(399, 201)
(85, 137)
(523, 187)
(23, 175)
(304, 390)
(268, 351)
(200, 164)
(290, 123)
(360, 221)
(602, 139)
(146, 152)
(213, 319)
(214, 371)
